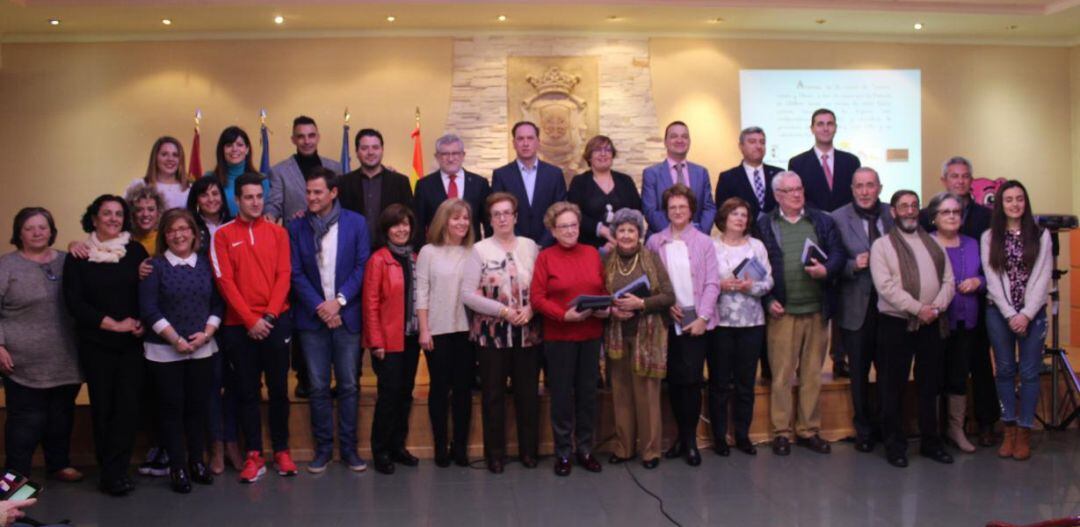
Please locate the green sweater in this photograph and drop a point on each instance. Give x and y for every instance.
(803, 293)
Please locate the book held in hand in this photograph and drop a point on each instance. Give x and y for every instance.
(640, 288)
(750, 269)
(586, 302)
(811, 250)
(689, 315)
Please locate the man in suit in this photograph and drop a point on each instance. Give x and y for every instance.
(371, 188)
(451, 181)
(676, 169)
(750, 180)
(329, 247)
(956, 177)
(860, 223)
(534, 183)
(287, 187)
(826, 172)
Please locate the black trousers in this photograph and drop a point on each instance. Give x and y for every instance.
(686, 364)
(252, 361)
(38, 416)
(733, 360)
(521, 365)
(183, 394)
(896, 349)
(573, 369)
(393, 403)
(452, 367)
(983, 387)
(114, 377)
(861, 346)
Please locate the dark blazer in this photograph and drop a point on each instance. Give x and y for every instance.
(395, 189)
(733, 183)
(829, 241)
(550, 188)
(430, 194)
(808, 167)
(855, 286)
(657, 178)
(353, 249)
(976, 219)
(585, 193)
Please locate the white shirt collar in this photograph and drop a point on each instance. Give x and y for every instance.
(750, 169)
(522, 167)
(820, 152)
(175, 260)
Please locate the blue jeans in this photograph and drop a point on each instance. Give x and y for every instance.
(1005, 343)
(338, 348)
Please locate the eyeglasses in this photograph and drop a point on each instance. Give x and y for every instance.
(178, 230)
(456, 153)
(502, 214)
(948, 212)
(567, 226)
(792, 190)
(49, 273)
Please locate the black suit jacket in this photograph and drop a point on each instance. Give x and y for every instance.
(733, 183)
(808, 167)
(395, 189)
(586, 194)
(550, 188)
(430, 194)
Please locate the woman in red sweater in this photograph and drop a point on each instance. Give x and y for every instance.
(391, 333)
(571, 337)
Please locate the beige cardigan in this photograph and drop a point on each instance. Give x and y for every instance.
(1038, 285)
(885, 270)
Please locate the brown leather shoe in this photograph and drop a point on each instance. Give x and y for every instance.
(815, 443)
(1008, 443)
(1022, 449)
(67, 475)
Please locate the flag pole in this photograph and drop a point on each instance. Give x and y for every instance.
(345, 155)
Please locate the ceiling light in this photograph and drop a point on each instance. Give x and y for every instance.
(820, 21)
(279, 19)
(918, 26)
(717, 20)
(391, 18)
(613, 18)
(166, 21)
(502, 18)
(54, 21)
(1012, 27)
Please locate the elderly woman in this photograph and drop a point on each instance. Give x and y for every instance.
(498, 273)
(180, 304)
(391, 334)
(572, 334)
(690, 260)
(444, 329)
(165, 173)
(102, 294)
(599, 192)
(37, 349)
(636, 340)
(745, 276)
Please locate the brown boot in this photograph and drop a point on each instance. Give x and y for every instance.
(955, 432)
(1022, 450)
(217, 457)
(1008, 443)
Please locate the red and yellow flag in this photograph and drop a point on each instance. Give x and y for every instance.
(417, 154)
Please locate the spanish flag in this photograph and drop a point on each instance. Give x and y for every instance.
(417, 155)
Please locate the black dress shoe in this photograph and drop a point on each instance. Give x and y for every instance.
(939, 454)
(442, 460)
(200, 474)
(528, 461)
(127, 482)
(405, 458)
(383, 464)
(678, 449)
(840, 369)
(722, 449)
(562, 466)
(814, 443)
(616, 460)
(588, 462)
(864, 444)
(303, 390)
(495, 466)
(180, 481)
(781, 446)
(744, 445)
(693, 456)
(116, 487)
(897, 460)
(651, 463)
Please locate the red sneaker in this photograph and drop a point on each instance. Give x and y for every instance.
(254, 467)
(284, 463)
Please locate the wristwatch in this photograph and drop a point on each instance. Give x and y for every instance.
(341, 300)
(269, 318)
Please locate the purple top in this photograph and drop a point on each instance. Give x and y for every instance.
(964, 308)
(704, 269)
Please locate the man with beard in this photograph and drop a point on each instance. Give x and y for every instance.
(914, 282)
(371, 188)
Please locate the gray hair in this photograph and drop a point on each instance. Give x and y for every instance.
(939, 198)
(448, 139)
(866, 169)
(625, 215)
(956, 160)
(780, 176)
(750, 130)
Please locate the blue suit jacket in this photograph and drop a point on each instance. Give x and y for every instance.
(550, 188)
(657, 178)
(353, 250)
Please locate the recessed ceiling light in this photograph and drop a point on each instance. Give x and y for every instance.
(918, 26)
(613, 18)
(54, 21)
(717, 20)
(820, 21)
(1012, 27)
(279, 19)
(166, 21)
(501, 18)
(391, 18)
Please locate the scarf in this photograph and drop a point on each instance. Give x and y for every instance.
(321, 225)
(871, 215)
(407, 258)
(909, 270)
(109, 251)
(650, 343)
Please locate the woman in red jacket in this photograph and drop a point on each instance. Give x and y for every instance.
(391, 333)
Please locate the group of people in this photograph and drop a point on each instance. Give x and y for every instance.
(188, 296)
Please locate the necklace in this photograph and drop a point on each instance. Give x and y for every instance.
(633, 265)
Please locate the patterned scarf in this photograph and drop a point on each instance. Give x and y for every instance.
(407, 258)
(321, 226)
(650, 342)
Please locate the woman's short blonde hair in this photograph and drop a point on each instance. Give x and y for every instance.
(439, 232)
(557, 209)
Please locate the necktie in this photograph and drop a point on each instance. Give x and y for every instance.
(828, 171)
(451, 190)
(759, 187)
(680, 169)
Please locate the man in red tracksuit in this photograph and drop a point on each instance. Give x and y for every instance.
(252, 267)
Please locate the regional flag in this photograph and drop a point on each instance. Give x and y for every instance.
(417, 157)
